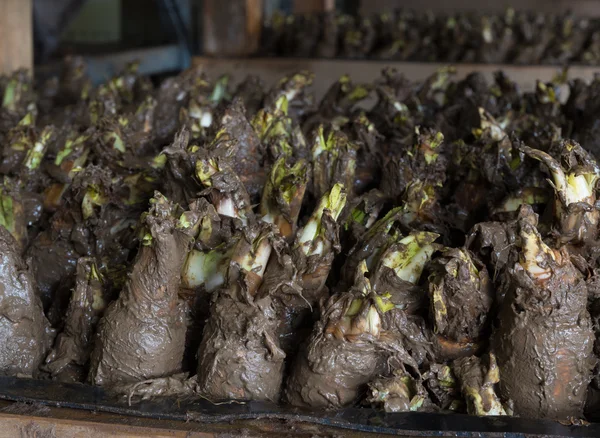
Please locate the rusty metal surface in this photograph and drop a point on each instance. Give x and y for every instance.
(77, 396)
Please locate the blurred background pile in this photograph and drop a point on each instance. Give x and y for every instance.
(165, 35)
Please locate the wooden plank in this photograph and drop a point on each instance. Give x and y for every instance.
(232, 27)
(25, 420)
(16, 35)
(21, 426)
(37, 421)
(327, 71)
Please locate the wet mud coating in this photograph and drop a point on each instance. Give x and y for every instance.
(460, 300)
(246, 154)
(330, 374)
(400, 393)
(477, 378)
(71, 352)
(408, 246)
(240, 357)
(142, 334)
(559, 343)
(544, 339)
(24, 330)
(338, 359)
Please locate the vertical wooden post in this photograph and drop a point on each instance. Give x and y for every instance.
(16, 35)
(307, 6)
(232, 27)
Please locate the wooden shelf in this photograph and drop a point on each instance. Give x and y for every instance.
(326, 70)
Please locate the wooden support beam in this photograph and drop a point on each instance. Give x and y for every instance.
(232, 27)
(32, 426)
(39, 421)
(16, 35)
(308, 6)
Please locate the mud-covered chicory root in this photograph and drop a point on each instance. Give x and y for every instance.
(400, 393)
(71, 158)
(372, 243)
(545, 340)
(460, 302)
(333, 161)
(207, 262)
(226, 191)
(297, 273)
(142, 333)
(25, 334)
(575, 207)
(12, 211)
(399, 269)
(478, 379)
(239, 357)
(343, 353)
(283, 194)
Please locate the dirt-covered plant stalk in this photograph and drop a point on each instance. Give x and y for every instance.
(316, 242)
(460, 300)
(293, 87)
(19, 95)
(239, 357)
(485, 171)
(204, 98)
(344, 351)
(359, 216)
(478, 379)
(545, 341)
(574, 184)
(73, 346)
(338, 102)
(69, 160)
(399, 270)
(19, 139)
(282, 196)
(399, 393)
(93, 220)
(443, 387)
(423, 192)
(237, 146)
(12, 211)
(372, 244)
(35, 155)
(207, 262)
(276, 131)
(296, 274)
(225, 189)
(333, 161)
(142, 334)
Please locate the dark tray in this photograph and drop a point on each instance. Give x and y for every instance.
(78, 396)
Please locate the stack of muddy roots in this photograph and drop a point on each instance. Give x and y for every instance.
(437, 251)
(514, 37)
